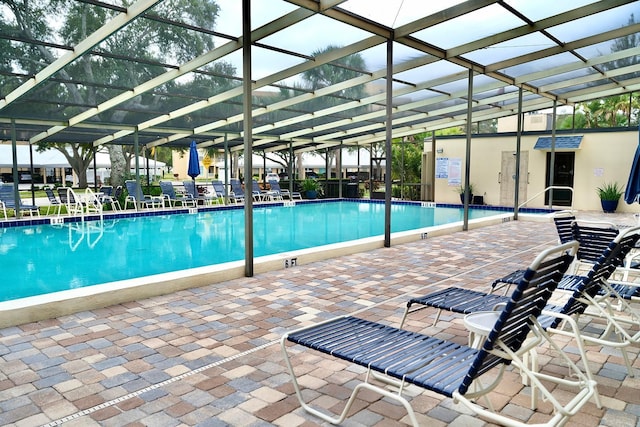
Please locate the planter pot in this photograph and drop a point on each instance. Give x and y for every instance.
(609, 206)
(462, 199)
(311, 194)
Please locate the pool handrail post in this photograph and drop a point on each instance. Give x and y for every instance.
(551, 187)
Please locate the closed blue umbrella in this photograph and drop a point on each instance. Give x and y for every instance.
(194, 164)
(633, 186)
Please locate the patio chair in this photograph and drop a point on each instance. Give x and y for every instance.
(607, 303)
(105, 190)
(192, 193)
(137, 198)
(284, 193)
(112, 198)
(65, 199)
(8, 199)
(258, 194)
(605, 232)
(465, 301)
(585, 294)
(237, 193)
(54, 203)
(593, 237)
(563, 221)
(170, 197)
(398, 357)
(220, 190)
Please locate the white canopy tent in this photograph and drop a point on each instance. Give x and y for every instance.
(45, 159)
(54, 159)
(350, 160)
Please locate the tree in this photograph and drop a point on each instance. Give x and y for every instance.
(406, 165)
(127, 58)
(615, 110)
(406, 159)
(328, 74)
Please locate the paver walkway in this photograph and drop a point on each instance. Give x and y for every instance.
(210, 356)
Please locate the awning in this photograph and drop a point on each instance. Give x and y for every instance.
(563, 143)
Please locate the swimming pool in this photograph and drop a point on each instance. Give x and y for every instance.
(133, 256)
(49, 258)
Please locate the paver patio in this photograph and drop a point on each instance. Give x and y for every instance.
(210, 356)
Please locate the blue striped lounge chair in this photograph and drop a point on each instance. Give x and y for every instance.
(586, 291)
(138, 199)
(284, 193)
(171, 198)
(399, 357)
(220, 190)
(8, 200)
(594, 237)
(237, 192)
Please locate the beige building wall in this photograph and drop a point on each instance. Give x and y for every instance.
(602, 157)
(532, 122)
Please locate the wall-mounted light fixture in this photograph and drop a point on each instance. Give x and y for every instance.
(440, 150)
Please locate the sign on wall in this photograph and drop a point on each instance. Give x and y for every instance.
(455, 172)
(442, 167)
(450, 169)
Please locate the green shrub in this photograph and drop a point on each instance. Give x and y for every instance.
(610, 191)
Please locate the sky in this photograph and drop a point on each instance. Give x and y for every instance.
(318, 32)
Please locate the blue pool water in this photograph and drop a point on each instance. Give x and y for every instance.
(42, 259)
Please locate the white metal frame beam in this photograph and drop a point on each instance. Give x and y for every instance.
(115, 24)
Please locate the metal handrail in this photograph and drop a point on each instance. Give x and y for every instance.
(552, 187)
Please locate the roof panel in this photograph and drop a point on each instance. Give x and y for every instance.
(189, 85)
(230, 16)
(541, 64)
(509, 49)
(541, 9)
(394, 13)
(477, 24)
(594, 24)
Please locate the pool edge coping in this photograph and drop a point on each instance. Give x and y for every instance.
(67, 302)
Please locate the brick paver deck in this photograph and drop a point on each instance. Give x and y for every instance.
(210, 356)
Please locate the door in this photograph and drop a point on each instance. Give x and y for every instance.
(507, 177)
(562, 176)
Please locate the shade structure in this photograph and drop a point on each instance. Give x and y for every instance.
(633, 185)
(194, 164)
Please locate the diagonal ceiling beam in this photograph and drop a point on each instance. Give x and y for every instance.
(361, 80)
(84, 46)
(273, 78)
(576, 44)
(262, 32)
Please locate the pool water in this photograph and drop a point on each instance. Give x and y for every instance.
(48, 258)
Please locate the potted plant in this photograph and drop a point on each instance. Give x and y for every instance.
(461, 192)
(311, 188)
(609, 194)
